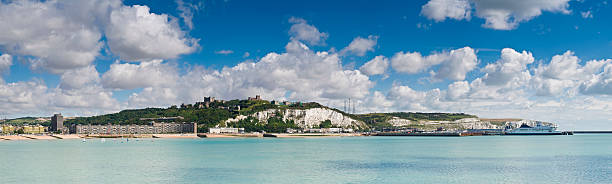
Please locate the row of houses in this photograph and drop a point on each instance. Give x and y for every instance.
(152, 128)
(26, 129)
(225, 130)
(320, 130)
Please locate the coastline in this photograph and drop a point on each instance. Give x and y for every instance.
(93, 136)
(244, 135)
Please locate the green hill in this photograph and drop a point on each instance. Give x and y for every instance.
(26, 120)
(219, 111)
(206, 117)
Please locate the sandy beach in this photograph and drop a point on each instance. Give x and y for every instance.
(207, 135)
(67, 136)
(39, 137)
(312, 135)
(14, 137)
(179, 136)
(79, 136)
(171, 136)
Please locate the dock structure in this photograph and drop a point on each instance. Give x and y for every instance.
(456, 134)
(448, 134)
(592, 132)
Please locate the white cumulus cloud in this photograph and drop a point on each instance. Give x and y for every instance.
(440, 10)
(136, 34)
(6, 61)
(79, 78)
(376, 66)
(500, 15)
(454, 64)
(140, 75)
(599, 84)
(511, 66)
(360, 46)
(458, 64)
(64, 35)
(298, 74)
(60, 39)
(302, 31)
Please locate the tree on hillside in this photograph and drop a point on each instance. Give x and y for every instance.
(325, 124)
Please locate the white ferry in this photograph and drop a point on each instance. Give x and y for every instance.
(539, 129)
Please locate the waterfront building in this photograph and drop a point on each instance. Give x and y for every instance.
(57, 123)
(152, 128)
(332, 130)
(225, 130)
(8, 129)
(33, 129)
(328, 130)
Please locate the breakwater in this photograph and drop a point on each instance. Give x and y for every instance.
(449, 134)
(592, 132)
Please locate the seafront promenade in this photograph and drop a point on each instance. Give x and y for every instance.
(90, 136)
(198, 135)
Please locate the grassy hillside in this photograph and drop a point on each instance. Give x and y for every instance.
(204, 117)
(26, 120)
(218, 112)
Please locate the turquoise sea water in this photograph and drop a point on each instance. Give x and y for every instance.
(493, 159)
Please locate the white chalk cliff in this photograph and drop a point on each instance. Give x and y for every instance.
(307, 118)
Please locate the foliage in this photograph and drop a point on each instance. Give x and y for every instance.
(204, 117)
(249, 124)
(276, 124)
(325, 124)
(26, 120)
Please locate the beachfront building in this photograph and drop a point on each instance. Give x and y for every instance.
(57, 123)
(8, 129)
(328, 130)
(225, 130)
(33, 129)
(152, 128)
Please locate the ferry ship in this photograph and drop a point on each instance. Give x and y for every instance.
(539, 129)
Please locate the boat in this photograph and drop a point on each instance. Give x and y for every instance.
(539, 129)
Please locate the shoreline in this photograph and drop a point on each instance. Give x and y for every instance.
(278, 135)
(244, 135)
(93, 136)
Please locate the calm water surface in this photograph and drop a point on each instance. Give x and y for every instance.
(494, 159)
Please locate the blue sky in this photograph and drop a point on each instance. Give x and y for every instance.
(134, 54)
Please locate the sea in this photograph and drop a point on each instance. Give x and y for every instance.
(581, 158)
